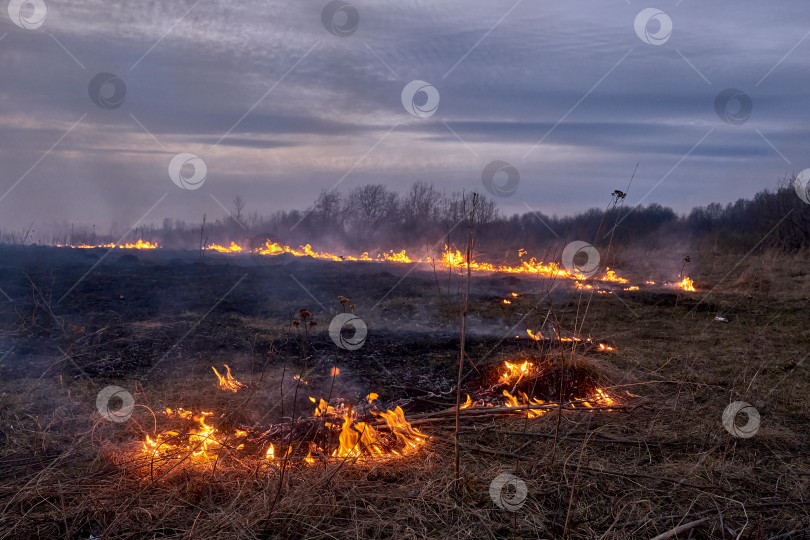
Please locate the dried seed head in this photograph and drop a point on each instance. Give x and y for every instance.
(296, 323)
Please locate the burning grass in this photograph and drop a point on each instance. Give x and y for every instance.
(601, 464)
(339, 431)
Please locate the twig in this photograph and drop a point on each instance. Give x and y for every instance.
(680, 528)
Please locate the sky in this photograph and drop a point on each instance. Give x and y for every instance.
(125, 113)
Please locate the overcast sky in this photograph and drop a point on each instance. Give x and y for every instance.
(571, 94)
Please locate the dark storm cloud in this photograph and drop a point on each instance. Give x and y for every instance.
(279, 108)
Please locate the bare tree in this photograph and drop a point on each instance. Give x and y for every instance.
(238, 207)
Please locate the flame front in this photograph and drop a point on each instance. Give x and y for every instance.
(450, 258)
(233, 248)
(140, 244)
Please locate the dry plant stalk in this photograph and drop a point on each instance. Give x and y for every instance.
(464, 307)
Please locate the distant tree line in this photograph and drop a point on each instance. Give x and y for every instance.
(375, 218)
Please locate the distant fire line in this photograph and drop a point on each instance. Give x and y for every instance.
(449, 259)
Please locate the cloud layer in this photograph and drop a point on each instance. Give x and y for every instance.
(279, 108)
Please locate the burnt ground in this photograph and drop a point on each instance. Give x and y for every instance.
(75, 321)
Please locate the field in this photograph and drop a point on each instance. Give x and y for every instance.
(628, 442)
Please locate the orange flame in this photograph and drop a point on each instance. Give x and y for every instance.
(233, 248)
(201, 444)
(410, 437)
(227, 382)
(140, 244)
(514, 372)
(686, 284)
(357, 439)
(512, 401)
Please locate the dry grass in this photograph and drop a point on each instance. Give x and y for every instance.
(660, 461)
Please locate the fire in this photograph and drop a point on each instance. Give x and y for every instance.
(610, 275)
(274, 248)
(357, 439)
(512, 401)
(233, 248)
(227, 382)
(603, 347)
(400, 257)
(514, 372)
(322, 408)
(140, 244)
(271, 452)
(505, 301)
(389, 436)
(361, 439)
(201, 443)
(600, 398)
(450, 258)
(539, 337)
(410, 437)
(603, 398)
(455, 259)
(686, 284)
(334, 372)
